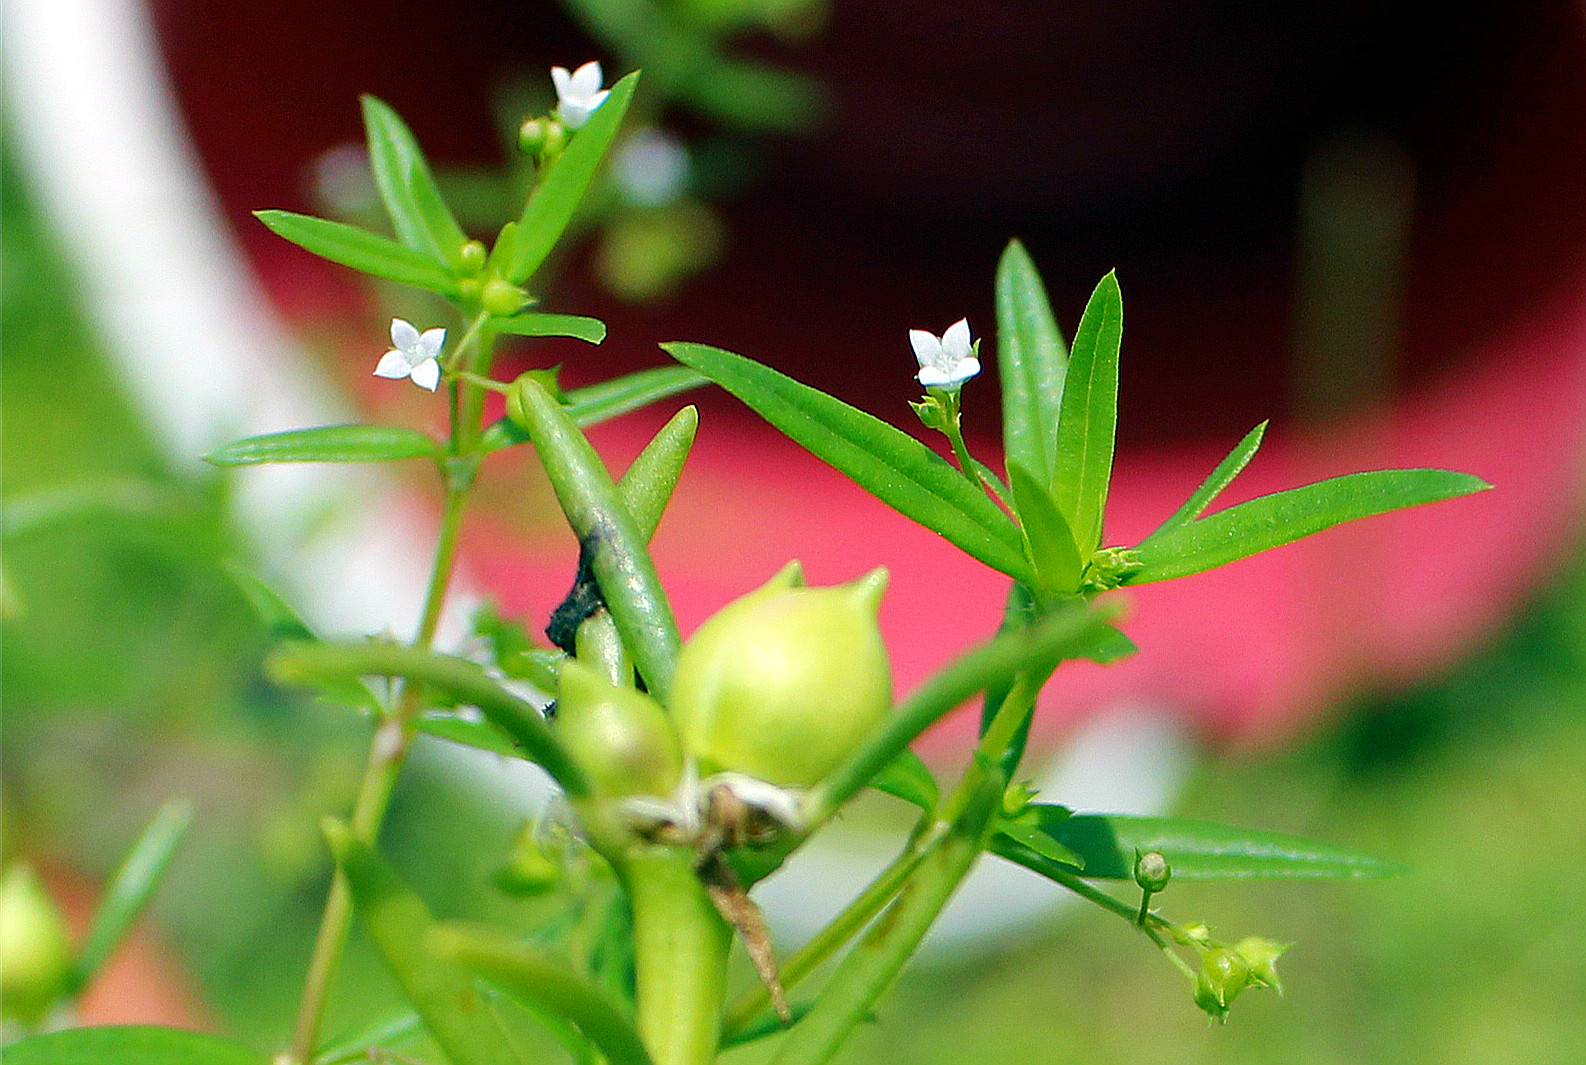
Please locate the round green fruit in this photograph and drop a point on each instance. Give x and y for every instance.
(785, 682)
(619, 737)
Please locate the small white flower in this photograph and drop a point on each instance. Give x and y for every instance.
(415, 355)
(578, 93)
(946, 361)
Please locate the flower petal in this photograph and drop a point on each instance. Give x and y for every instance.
(927, 348)
(563, 82)
(966, 368)
(427, 374)
(403, 335)
(431, 342)
(393, 364)
(956, 340)
(587, 79)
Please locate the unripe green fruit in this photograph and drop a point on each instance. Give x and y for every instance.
(1223, 975)
(35, 955)
(785, 682)
(502, 298)
(619, 737)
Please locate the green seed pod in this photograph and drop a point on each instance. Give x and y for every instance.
(502, 298)
(785, 682)
(35, 955)
(619, 737)
(1261, 956)
(1223, 975)
(1151, 871)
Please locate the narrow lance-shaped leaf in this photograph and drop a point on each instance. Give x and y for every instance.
(1051, 541)
(464, 681)
(420, 216)
(538, 324)
(545, 983)
(443, 992)
(562, 186)
(1221, 477)
(1031, 360)
(888, 463)
(361, 250)
(906, 777)
(1196, 850)
(130, 1044)
(1283, 517)
(1089, 420)
(996, 661)
(607, 530)
(131, 887)
(327, 443)
(596, 403)
(386, 1032)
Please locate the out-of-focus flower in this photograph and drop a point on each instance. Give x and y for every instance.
(416, 355)
(578, 93)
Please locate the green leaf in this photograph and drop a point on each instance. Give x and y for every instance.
(893, 466)
(314, 664)
(327, 443)
(131, 887)
(129, 1045)
(907, 778)
(480, 734)
(444, 993)
(1199, 850)
(1089, 421)
(1220, 478)
(646, 486)
(551, 206)
(1283, 517)
(536, 324)
(1047, 535)
(606, 528)
(284, 623)
(385, 1032)
(1040, 647)
(420, 216)
(596, 403)
(543, 982)
(361, 250)
(1032, 361)
(1031, 836)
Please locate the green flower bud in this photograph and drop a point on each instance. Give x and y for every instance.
(471, 256)
(785, 682)
(1223, 975)
(502, 298)
(546, 379)
(1261, 956)
(532, 137)
(1151, 871)
(35, 954)
(619, 737)
(468, 290)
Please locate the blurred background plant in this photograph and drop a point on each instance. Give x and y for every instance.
(1399, 197)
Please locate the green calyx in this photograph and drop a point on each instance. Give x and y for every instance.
(785, 682)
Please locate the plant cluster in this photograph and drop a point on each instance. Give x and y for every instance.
(689, 771)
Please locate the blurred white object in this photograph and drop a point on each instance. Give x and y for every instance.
(192, 338)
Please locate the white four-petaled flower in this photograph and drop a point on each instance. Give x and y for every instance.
(946, 361)
(416, 355)
(578, 93)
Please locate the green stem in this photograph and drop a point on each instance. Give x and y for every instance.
(387, 753)
(830, 939)
(680, 956)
